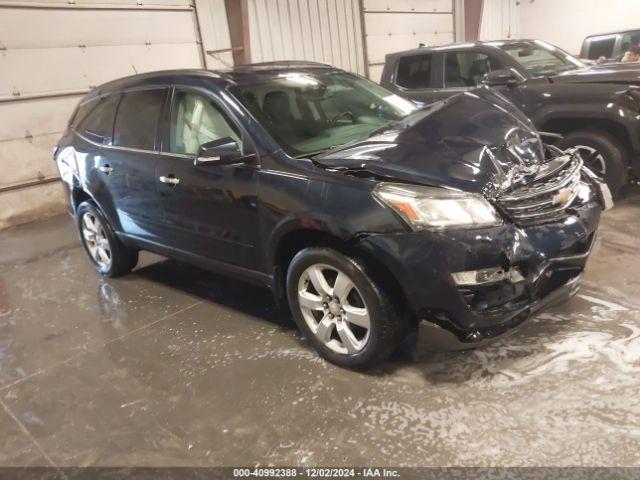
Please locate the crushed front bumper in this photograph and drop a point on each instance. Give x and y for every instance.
(549, 259)
(434, 337)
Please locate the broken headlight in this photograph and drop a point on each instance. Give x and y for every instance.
(428, 207)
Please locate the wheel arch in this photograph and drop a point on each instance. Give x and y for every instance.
(79, 195)
(296, 240)
(566, 124)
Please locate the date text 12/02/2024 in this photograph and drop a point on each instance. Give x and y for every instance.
(368, 472)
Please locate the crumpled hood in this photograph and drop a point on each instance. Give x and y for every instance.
(474, 141)
(616, 73)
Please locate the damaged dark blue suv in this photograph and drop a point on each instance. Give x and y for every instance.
(369, 217)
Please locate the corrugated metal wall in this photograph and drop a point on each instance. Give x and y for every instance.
(394, 25)
(500, 20)
(51, 52)
(327, 31)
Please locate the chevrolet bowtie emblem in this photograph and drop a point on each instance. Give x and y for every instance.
(562, 197)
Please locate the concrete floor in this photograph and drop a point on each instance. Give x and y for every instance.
(175, 366)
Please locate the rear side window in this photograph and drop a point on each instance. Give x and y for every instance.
(137, 119)
(96, 122)
(601, 47)
(414, 71)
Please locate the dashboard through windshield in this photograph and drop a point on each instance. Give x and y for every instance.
(313, 112)
(540, 58)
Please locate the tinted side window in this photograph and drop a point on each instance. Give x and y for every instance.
(196, 120)
(628, 40)
(602, 47)
(414, 71)
(137, 119)
(97, 124)
(82, 111)
(465, 69)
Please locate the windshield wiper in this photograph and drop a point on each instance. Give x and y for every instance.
(314, 153)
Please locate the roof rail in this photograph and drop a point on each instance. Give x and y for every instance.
(284, 63)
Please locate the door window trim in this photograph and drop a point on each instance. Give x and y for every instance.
(213, 96)
(113, 147)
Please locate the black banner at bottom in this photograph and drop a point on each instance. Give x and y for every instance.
(342, 473)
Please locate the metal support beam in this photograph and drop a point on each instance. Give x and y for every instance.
(363, 27)
(35, 96)
(472, 19)
(238, 20)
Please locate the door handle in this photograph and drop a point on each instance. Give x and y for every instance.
(106, 168)
(171, 180)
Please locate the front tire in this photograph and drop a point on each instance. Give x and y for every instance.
(345, 314)
(602, 153)
(109, 255)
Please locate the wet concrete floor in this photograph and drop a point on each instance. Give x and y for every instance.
(172, 365)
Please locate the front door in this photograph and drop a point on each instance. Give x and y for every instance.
(464, 70)
(211, 210)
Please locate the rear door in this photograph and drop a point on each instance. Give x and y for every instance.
(129, 163)
(211, 210)
(93, 123)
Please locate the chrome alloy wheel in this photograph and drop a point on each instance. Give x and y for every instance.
(96, 240)
(593, 159)
(334, 309)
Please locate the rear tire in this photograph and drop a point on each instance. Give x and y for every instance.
(602, 153)
(345, 314)
(109, 255)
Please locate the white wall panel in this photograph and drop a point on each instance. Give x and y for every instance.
(37, 28)
(429, 6)
(395, 25)
(61, 48)
(53, 70)
(133, 4)
(500, 20)
(35, 117)
(214, 29)
(29, 159)
(567, 23)
(327, 31)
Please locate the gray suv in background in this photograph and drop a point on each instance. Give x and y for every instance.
(611, 46)
(593, 109)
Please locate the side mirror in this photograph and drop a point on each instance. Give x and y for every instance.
(223, 151)
(500, 78)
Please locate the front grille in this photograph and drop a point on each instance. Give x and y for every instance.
(548, 196)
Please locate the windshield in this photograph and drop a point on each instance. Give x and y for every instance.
(540, 58)
(309, 113)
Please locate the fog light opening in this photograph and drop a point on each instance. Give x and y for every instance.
(487, 276)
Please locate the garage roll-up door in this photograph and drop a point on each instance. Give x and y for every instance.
(51, 53)
(394, 25)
